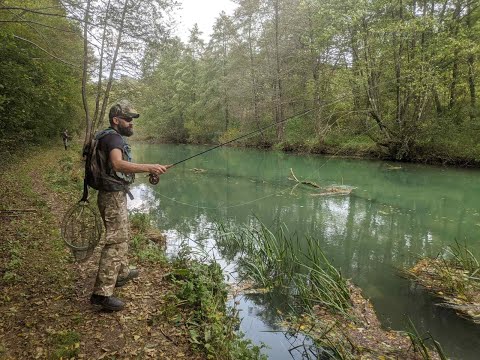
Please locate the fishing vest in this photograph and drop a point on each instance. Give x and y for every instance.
(98, 169)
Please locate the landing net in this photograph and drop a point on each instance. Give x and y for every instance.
(81, 230)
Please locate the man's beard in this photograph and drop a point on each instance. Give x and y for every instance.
(125, 131)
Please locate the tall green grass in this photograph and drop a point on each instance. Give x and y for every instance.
(458, 270)
(462, 257)
(277, 259)
(419, 343)
(322, 283)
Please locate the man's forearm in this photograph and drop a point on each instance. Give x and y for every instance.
(130, 168)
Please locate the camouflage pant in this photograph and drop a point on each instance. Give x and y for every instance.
(113, 260)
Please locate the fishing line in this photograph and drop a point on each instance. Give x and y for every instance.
(154, 179)
(278, 193)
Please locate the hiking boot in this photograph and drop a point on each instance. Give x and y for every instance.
(107, 302)
(131, 275)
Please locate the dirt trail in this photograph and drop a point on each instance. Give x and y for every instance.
(44, 298)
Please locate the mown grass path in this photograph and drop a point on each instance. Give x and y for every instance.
(44, 301)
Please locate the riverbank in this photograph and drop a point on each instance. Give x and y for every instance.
(48, 314)
(452, 278)
(353, 149)
(45, 295)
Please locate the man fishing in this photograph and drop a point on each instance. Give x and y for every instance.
(116, 173)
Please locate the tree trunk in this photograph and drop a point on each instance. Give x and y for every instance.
(225, 88)
(471, 73)
(88, 131)
(114, 63)
(253, 79)
(100, 70)
(455, 72)
(278, 80)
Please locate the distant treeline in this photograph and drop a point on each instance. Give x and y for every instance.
(383, 78)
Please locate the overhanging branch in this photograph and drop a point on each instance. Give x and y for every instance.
(46, 52)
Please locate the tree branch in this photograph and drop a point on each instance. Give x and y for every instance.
(46, 52)
(8, 8)
(37, 23)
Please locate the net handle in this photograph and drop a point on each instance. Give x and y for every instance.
(85, 191)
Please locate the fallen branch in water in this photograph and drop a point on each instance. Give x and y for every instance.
(197, 170)
(335, 190)
(309, 183)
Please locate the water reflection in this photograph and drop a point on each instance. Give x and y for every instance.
(387, 222)
(259, 322)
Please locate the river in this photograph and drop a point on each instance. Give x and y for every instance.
(396, 213)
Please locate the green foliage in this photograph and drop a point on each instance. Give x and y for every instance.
(458, 271)
(323, 283)
(146, 250)
(140, 221)
(229, 135)
(143, 248)
(40, 94)
(462, 257)
(201, 291)
(65, 344)
(66, 174)
(400, 76)
(14, 260)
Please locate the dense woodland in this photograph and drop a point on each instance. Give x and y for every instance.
(389, 78)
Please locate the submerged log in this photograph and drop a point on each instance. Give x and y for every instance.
(335, 190)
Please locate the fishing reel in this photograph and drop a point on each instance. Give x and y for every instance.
(153, 179)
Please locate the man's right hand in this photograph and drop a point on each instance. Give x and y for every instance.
(157, 169)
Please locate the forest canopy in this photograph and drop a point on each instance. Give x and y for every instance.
(384, 78)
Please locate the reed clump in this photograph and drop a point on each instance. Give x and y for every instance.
(279, 260)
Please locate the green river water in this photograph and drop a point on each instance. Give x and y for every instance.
(391, 217)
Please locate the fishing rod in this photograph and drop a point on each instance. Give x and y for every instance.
(154, 178)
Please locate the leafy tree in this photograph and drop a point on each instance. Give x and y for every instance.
(39, 82)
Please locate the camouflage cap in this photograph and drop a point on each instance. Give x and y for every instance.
(123, 108)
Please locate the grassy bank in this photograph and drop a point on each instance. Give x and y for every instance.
(445, 154)
(44, 298)
(454, 278)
